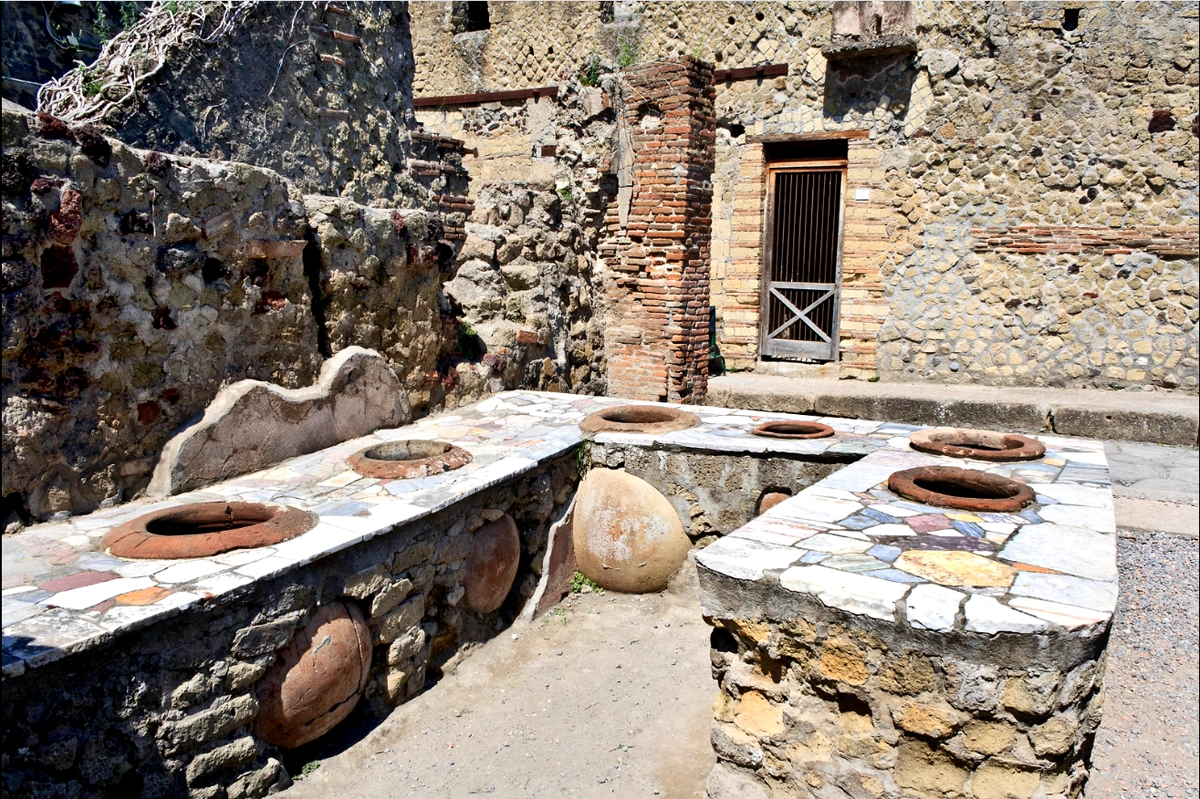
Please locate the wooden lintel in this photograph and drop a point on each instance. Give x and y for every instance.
(485, 97)
(749, 73)
(824, 135)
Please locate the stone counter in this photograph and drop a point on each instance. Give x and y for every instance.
(866, 645)
(861, 640)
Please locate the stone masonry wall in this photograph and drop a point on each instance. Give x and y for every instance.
(140, 718)
(135, 284)
(321, 94)
(1076, 141)
(656, 237)
(378, 274)
(30, 57)
(713, 494)
(827, 705)
(524, 285)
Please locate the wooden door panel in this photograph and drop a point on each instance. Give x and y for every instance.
(802, 270)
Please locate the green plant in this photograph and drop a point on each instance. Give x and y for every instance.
(579, 580)
(306, 769)
(589, 72)
(103, 26)
(566, 193)
(628, 53)
(698, 48)
(873, 379)
(583, 460)
(90, 75)
(470, 345)
(129, 15)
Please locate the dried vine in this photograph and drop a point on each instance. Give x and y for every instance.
(88, 92)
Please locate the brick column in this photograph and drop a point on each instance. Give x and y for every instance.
(657, 343)
(865, 247)
(739, 334)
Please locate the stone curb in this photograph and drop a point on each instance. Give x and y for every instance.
(1155, 418)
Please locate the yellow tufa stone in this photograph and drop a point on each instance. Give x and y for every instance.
(998, 779)
(907, 675)
(1055, 737)
(842, 661)
(756, 715)
(923, 768)
(1031, 696)
(988, 737)
(926, 719)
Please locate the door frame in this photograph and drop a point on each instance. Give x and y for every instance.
(780, 347)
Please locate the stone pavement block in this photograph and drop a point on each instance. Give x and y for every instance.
(1150, 515)
(1152, 471)
(1128, 424)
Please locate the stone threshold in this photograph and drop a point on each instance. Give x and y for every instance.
(1130, 415)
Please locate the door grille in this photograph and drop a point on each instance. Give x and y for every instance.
(803, 264)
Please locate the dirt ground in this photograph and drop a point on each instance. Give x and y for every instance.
(608, 695)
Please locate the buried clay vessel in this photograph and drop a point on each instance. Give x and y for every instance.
(982, 445)
(492, 564)
(206, 528)
(317, 679)
(627, 536)
(402, 460)
(962, 489)
(793, 430)
(652, 419)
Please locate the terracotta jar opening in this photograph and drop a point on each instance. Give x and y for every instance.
(793, 430)
(400, 460)
(638, 419)
(206, 528)
(961, 489)
(984, 445)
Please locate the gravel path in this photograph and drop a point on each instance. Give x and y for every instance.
(1149, 741)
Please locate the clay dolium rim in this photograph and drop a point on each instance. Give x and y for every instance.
(206, 528)
(798, 430)
(983, 445)
(638, 419)
(402, 460)
(961, 489)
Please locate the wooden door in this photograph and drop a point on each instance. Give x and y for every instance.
(803, 260)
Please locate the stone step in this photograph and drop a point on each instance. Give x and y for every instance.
(1156, 417)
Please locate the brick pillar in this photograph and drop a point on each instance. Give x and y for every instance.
(658, 233)
(743, 282)
(865, 248)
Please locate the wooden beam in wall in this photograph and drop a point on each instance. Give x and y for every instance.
(825, 135)
(746, 73)
(485, 97)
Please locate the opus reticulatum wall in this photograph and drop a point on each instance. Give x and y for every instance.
(1021, 206)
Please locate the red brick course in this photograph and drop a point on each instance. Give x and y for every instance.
(1167, 240)
(657, 343)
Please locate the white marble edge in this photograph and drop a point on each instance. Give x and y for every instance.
(1093, 575)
